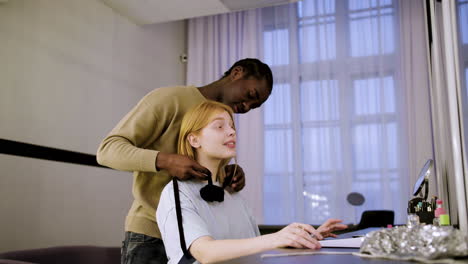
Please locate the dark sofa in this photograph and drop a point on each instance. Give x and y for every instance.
(62, 255)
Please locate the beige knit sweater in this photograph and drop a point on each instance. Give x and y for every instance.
(151, 126)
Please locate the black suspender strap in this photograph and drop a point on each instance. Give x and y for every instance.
(187, 257)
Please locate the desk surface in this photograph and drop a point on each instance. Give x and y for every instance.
(322, 259)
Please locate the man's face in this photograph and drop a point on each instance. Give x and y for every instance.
(246, 94)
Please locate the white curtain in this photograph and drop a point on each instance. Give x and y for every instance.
(214, 44)
(349, 110)
(414, 75)
(449, 102)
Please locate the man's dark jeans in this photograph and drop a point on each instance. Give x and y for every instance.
(142, 249)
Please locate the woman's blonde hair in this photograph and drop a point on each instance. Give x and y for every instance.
(193, 122)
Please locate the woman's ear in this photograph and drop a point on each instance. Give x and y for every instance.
(193, 140)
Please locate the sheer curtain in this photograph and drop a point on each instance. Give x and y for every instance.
(214, 44)
(349, 110)
(462, 22)
(462, 37)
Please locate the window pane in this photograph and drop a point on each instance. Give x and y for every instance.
(371, 28)
(372, 192)
(389, 94)
(374, 150)
(366, 96)
(374, 95)
(387, 35)
(399, 201)
(306, 8)
(367, 146)
(321, 149)
(364, 37)
(309, 47)
(272, 199)
(276, 40)
(278, 151)
(325, 7)
(385, 2)
(462, 25)
(279, 198)
(278, 105)
(320, 100)
(466, 79)
(362, 4)
(317, 206)
(366, 176)
(463, 21)
(366, 4)
(317, 42)
(392, 146)
(314, 8)
(375, 196)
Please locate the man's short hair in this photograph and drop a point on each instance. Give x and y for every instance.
(254, 68)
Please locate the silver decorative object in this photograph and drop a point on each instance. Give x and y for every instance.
(416, 241)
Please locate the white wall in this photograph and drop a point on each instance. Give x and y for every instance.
(69, 70)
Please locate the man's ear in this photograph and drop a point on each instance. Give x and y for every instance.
(193, 140)
(237, 73)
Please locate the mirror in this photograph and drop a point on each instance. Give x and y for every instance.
(423, 179)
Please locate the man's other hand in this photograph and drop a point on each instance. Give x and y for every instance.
(181, 167)
(236, 182)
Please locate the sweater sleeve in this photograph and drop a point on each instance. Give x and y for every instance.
(124, 147)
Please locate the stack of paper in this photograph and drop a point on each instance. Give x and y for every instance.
(343, 243)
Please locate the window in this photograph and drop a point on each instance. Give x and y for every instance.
(463, 58)
(331, 123)
(463, 40)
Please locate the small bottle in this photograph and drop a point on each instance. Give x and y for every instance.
(412, 221)
(419, 207)
(444, 220)
(438, 211)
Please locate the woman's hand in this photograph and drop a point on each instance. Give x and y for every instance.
(329, 226)
(296, 235)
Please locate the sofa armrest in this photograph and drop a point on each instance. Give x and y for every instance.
(10, 261)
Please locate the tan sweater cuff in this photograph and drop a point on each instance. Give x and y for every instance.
(148, 160)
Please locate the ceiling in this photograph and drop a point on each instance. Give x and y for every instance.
(156, 11)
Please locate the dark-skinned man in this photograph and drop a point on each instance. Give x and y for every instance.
(145, 142)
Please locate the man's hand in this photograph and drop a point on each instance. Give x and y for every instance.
(181, 167)
(236, 182)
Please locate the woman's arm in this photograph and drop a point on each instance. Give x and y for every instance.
(207, 250)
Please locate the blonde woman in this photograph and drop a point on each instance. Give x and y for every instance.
(218, 231)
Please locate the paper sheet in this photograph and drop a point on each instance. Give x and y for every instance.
(308, 253)
(342, 243)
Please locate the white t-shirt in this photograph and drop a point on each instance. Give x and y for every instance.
(230, 219)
